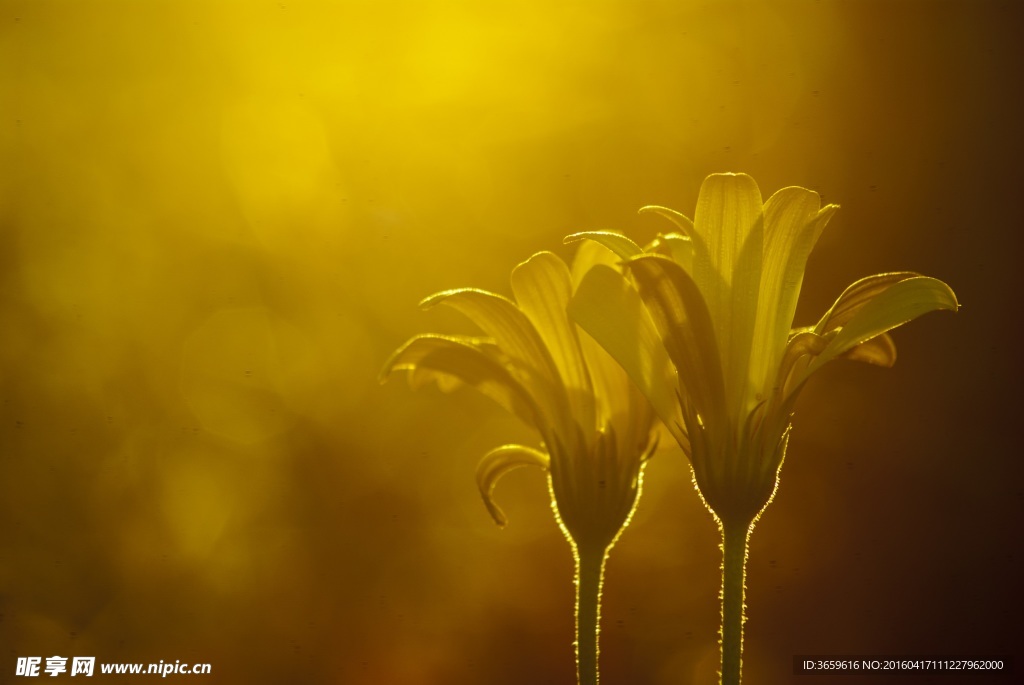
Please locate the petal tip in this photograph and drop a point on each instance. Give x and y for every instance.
(431, 300)
(437, 298)
(495, 464)
(535, 257)
(385, 373)
(496, 513)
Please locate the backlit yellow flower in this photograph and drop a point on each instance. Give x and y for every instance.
(722, 294)
(595, 427)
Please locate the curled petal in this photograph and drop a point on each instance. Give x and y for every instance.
(468, 360)
(806, 345)
(530, 362)
(497, 463)
(803, 343)
(856, 296)
(892, 307)
(499, 318)
(616, 242)
(880, 351)
(682, 222)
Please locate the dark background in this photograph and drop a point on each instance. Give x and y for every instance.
(216, 220)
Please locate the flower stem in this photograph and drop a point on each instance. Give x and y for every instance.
(734, 559)
(589, 578)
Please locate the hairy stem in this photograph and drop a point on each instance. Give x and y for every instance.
(734, 560)
(589, 578)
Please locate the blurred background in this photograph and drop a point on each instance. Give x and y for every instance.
(216, 221)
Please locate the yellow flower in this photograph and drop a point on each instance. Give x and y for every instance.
(722, 295)
(595, 426)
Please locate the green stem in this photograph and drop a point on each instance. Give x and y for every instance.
(589, 577)
(734, 560)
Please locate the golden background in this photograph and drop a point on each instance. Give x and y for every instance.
(216, 220)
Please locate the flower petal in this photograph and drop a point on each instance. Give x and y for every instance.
(611, 384)
(616, 242)
(497, 463)
(880, 351)
(803, 344)
(686, 330)
(617, 400)
(856, 296)
(443, 358)
(792, 224)
(892, 307)
(543, 287)
(729, 222)
(589, 254)
(529, 361)
(681, 221)
(608, 308)
(679, 247)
